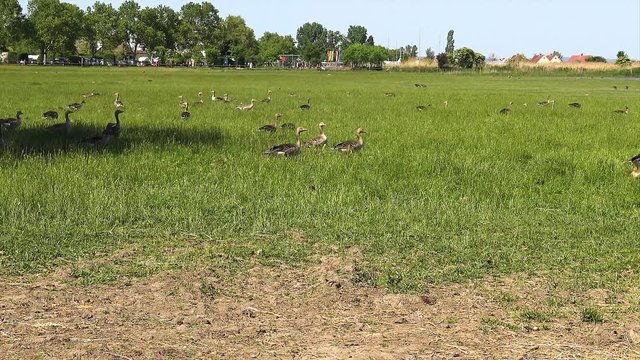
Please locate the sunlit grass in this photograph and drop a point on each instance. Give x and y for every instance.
(441, 195)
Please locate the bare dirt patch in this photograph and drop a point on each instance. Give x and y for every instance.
(313, 312)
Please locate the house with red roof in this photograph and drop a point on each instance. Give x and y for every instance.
(545, 59)
(578, 58)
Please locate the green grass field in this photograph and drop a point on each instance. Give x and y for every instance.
(446, 194)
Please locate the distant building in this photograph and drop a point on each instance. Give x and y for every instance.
(578, 58)
(517, 58)
(545, 59)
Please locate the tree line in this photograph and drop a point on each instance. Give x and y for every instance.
(194, 34)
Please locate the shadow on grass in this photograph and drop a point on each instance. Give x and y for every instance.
(25, 142)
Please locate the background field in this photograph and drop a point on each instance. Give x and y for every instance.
(447, 194)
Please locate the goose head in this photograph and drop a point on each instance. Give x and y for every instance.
(119, 111)
(361, 131)
(19, 113)
(253, 101)
(278, 115)
(322, 125)
(300, 130)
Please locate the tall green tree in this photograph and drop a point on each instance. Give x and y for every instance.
(312, 42)
(466, 58)
(370, 40)
(430, 54)
(10, 23)
(106, 33)
(356, 34)
(238, 40)
(56, 26)
(200, 26)
(622, 59)
(131, 24)
(335, 39)
(271, 45)
(450, 47)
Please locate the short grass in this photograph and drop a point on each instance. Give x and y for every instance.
(447, 194)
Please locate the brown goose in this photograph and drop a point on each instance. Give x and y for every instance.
(622, 111)
(101, 139)
(76, 106)
(268, 98)
(214, 97)
(12, 123)
(114, 129)
(636, 165)
(271, 128)
(352, 145)
(306, 106)
(91, 94)
(506, 110)
(575, 105)
(320, 140)
(61, 127)
(247, 107)
(50, 115)
(200, 100)
(181, 101)
(547, 102)
(226, 98)
(422, 107)
(185, 115)
(117, 102)
(287, 149)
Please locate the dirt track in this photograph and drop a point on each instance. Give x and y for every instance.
(312, 313)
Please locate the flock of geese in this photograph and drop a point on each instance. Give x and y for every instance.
(286, 149)
(111, 130)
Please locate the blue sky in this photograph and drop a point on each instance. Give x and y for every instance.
(503, 27)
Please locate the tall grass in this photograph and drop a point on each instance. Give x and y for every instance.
(441, 195)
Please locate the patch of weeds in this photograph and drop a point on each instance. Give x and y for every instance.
(554, 301)
(209, 290)
(363, 276)
(507, 298)
(534, 315)
(95, 275)
(490, 324)
(592, 315)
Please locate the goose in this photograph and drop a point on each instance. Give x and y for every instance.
(214, 97)
(636, 165)
(117, 102)
(306, 106)
(181, 101)
(61, 127)
(575, 105)
(446, 104)
(12, 123)
(185, 115)
(547, 102)
(50, 115)
(76, 106)
(626, 87)
(422, 107)
(506, 110)
(389, 94)
(92, 93)
(270, 128)
(420, 85)
(320, 140)
(288, 126)
(226, 98)
(114, 128)
(622, 111)
(287, 149)
(268, 98)
(352, 145)
(615, 87)
(247, 107)
(200, 99)
(101, 139)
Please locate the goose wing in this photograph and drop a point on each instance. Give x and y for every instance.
(281, 149)
(267, 128)
(635, 160)
(317, 141)
(346, 145)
